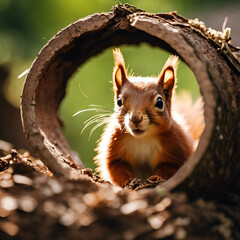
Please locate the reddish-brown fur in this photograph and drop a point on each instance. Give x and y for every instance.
(142, 139)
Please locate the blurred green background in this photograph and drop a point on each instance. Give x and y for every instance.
(27, 25)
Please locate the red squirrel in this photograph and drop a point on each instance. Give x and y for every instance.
(142, 138)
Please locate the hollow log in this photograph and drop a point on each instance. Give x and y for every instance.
(214, 167)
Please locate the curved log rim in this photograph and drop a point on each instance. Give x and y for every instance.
(216, 70)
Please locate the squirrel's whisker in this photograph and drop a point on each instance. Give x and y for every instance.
(100, 119)
(88, 110)
(97, 116)
(94, 128)
(101, 107)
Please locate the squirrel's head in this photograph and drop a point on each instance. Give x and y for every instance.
(143, 104)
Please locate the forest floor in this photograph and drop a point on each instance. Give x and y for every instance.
(35, 204)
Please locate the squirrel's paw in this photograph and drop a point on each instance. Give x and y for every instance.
(154, 179)
(127, 182)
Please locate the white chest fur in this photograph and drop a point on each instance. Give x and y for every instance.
(144, 149)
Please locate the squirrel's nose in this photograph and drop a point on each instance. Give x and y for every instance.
(136, 118)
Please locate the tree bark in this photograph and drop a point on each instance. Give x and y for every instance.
(214, 168)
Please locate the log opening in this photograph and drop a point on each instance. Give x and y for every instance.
(213, 164)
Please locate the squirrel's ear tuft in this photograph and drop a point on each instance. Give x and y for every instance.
(119, 71)
(167, 77)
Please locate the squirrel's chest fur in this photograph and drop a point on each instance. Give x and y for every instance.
(143, 153)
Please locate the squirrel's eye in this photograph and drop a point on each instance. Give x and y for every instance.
(159, 103)
(119, 102)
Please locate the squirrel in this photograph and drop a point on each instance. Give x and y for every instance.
(144, 138)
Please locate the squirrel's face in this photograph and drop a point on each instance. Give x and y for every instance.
(143, 105)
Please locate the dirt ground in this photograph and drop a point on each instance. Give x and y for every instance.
(35, 204)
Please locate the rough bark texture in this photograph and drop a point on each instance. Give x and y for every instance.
(215, 166)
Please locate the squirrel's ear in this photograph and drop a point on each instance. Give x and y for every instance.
(167, 76)
(119, 71)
